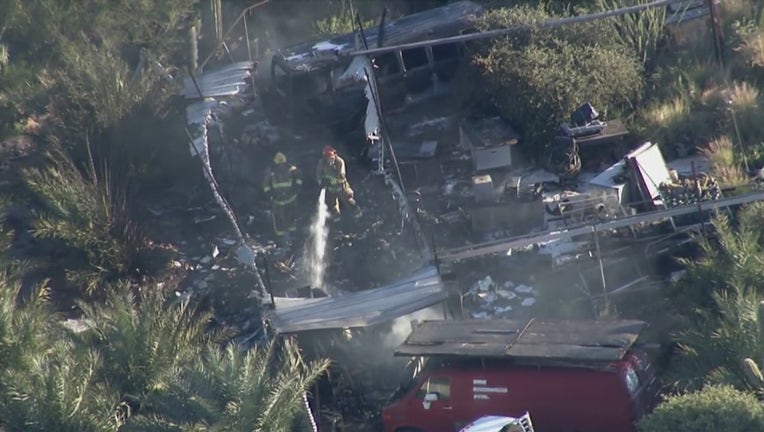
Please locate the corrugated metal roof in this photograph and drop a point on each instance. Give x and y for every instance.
(225, 81)
(538, 340)
(444, 21)
(359, 309)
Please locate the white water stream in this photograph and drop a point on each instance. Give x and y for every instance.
(315, 256)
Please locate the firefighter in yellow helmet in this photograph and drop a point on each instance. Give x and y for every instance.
(281, 184)
(330, 174)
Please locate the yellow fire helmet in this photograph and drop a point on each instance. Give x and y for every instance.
(280, 158)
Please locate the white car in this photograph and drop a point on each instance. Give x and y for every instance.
(500, 424)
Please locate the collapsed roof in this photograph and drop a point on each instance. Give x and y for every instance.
(359, 309)
(531, 340)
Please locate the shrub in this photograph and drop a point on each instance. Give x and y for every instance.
(713, 341)
(743, 115)
(724, 167)
(720, 151)
(642, 31)
(88, 215)
(342, 22)
(538, 77)
(712, 409)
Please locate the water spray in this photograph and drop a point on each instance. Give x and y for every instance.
(317, 244)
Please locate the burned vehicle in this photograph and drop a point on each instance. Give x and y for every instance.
(305, 80)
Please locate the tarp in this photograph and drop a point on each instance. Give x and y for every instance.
(360, 309)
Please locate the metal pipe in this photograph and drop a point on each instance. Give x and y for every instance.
(528, 240)
(196, 84)
(602, 269)
(230, 29)
(515, 28)
(246, 35)
(268, 279)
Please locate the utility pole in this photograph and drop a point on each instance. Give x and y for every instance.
(716, 30)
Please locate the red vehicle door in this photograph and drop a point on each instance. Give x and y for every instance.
(432, 407)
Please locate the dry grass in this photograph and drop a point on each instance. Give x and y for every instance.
(720, 151)
(743, 96)
(714, 96)
(730, 176)
(724, 168)
(752, 50)
(667, 112)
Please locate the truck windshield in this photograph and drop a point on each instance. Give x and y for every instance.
(301, 85)
(310, 84)
(408, 378)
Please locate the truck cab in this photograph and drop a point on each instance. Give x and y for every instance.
(306, 79)
(570, 377)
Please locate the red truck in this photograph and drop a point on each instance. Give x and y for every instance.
(571, 376)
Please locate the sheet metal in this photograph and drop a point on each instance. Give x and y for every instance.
(537, 340)
(200, 116)
(447, 20)
(359, 309)
(228, 80)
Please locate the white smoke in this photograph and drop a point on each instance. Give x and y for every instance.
(401, 327)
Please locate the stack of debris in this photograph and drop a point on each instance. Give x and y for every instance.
(497, 301)
(688, 191)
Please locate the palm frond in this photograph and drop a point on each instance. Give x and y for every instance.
(712, 342)
(86, 212)
(146, 345)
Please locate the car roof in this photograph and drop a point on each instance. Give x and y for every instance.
(428, 24)
(534, 340)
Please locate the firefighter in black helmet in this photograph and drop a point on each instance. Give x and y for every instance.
(281, 185)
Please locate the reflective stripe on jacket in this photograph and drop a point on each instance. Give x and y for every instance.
(284, 180)
(331, 172)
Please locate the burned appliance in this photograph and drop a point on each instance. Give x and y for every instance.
(584, 121)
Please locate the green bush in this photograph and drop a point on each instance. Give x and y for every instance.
(643, 31)
(538, 77)
(713, 409)
(344, 21)
(85, 218)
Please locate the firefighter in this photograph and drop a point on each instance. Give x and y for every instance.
(281, 185)
(330, 174)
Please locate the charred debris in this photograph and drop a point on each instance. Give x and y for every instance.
(457, 224)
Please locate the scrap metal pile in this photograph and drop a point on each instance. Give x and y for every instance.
(687, 191)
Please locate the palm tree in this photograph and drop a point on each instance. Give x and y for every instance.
(87, 214)
(733, 257)
(713, 342)
(25, 323)
(718, 302)
(145, 345)
(59, 390)
(233, 390)
(46, 382)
